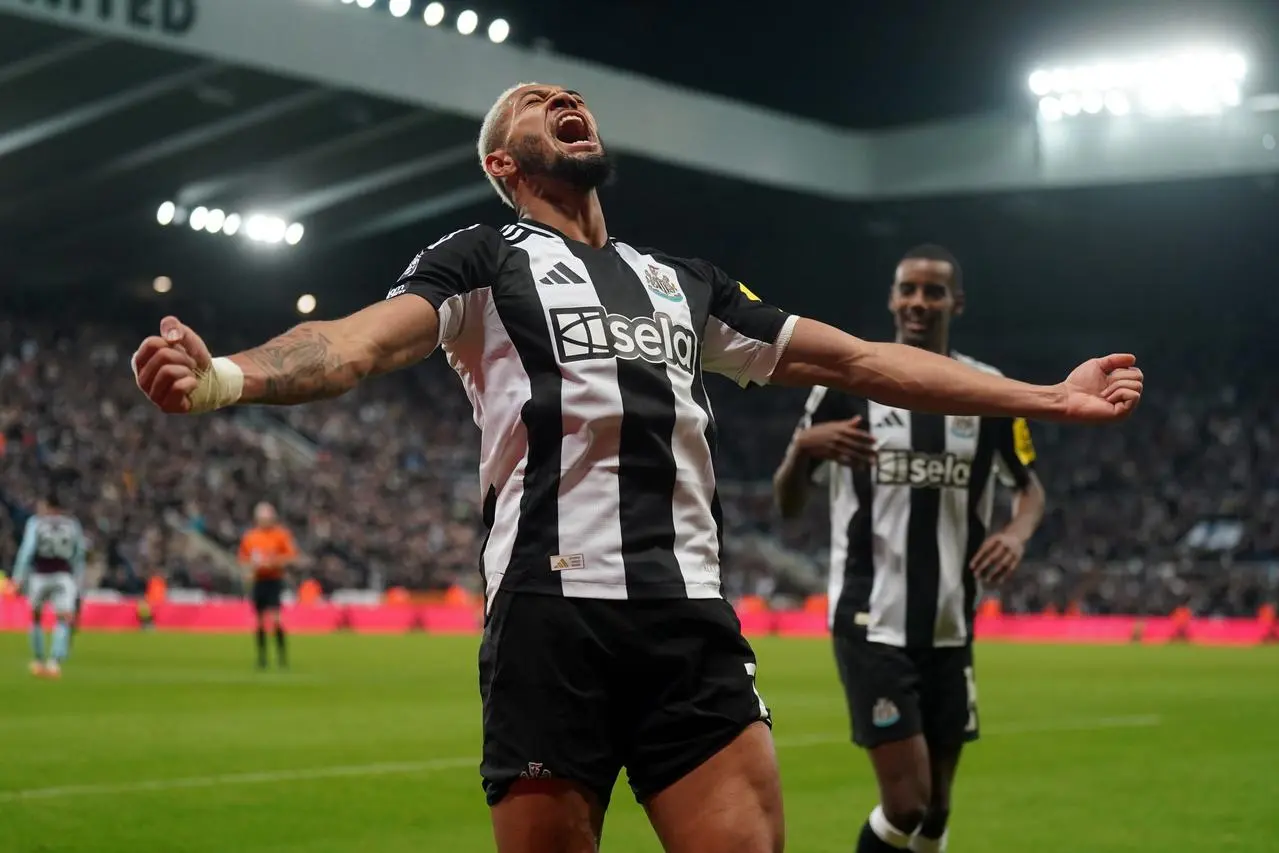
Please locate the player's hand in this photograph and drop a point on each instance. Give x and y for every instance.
(167, 366)
(844, 442)
(997, 557)
(1103, 389)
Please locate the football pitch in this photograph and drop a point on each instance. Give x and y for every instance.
(172, 742)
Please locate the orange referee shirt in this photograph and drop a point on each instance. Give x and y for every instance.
(268, 550)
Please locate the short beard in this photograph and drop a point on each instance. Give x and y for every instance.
(584, 173)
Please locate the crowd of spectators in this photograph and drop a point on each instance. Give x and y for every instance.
(1175, 507)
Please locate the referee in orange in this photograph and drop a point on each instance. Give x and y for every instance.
(267, 550)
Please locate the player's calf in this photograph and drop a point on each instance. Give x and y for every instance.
(905, 791)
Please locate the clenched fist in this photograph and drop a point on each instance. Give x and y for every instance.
(177, 373)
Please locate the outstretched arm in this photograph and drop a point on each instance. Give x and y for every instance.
(1103, 389)
(312, 361)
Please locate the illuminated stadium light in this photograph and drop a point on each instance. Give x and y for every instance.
(365, 4)
(165, 214)
(1186, 82)
(1050, 108)
(261, 228)
(499, 30)
(306, 303)
(467, 22)
(433, 15)
(293, 234)
(348, 2)
(232, 224)
(214, 221)
(1268, 142)
(400, 8)
(198, 217)
(162, 284)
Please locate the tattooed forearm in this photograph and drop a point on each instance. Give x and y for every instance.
(301, 365)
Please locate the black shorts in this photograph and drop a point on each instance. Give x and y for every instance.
(267, 593)
(577, 689)
(895, 693)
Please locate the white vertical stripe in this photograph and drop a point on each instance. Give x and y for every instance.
(475, 355)
(843, 505)
(591, 408)
(890, 515)
(951, 627)
(696, 543)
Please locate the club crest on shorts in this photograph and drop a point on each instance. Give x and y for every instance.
(656, 279)
(963, 426)
(535, 770)
(885, 714)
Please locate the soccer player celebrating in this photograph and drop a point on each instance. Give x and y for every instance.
(607, 643)
(911, 498)
(50, 564)
(266, 550)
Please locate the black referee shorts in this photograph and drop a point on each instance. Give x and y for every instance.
(267, 594)
(577, 689)
(896, 693)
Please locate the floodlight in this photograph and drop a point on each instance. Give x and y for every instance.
(198, 217)
(214, 221)
(365, 4)
(400, 8)
(499, 30)
(293, 234)
(467, 22)
(162, 284)
(165, 214)
(433, 14)
(232, 224)
(1050, 108)
(306, 303)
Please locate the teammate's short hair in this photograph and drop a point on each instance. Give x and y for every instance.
(493, 133)
(933, 252)
(51, 499)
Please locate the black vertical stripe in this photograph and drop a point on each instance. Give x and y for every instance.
(699, 307)
(978, 482)
(537, 535)
(923, 573)
(646, 460)
(859, 562)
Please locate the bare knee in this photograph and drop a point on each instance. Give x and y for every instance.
(547, 816)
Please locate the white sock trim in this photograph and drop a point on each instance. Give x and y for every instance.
(889, 834)
(920, 844)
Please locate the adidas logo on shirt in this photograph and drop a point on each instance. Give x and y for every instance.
(561, 273)
(892, 419)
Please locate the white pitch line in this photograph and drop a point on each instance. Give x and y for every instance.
(1138, 721)
(405, 767)
(260, 778)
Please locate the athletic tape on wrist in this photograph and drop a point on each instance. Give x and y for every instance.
(219, 386)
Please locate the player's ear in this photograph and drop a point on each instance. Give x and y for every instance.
(959, 304)
(499, 164)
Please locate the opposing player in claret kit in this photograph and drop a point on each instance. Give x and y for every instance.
(911, 498)
(50, 567)
(607, 643)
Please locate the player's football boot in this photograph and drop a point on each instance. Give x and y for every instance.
(36, 668)
(52, 670)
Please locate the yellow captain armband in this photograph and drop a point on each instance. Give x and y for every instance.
(746, 291)
(1023, 446)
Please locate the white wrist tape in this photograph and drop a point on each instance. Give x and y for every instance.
(220, 386)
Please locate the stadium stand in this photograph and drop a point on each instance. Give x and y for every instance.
(1175, 508)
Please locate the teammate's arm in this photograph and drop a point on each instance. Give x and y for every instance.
(828, 432)
(907, 377)
(79, 556)
(326, 358)
(1002, 552)
(26, 554)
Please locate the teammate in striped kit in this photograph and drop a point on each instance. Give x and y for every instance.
(50, 564)
(911, 496)
(607, 643)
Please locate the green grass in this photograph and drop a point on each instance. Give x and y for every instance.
(1087, 750)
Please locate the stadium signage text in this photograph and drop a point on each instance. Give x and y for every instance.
(171, 17)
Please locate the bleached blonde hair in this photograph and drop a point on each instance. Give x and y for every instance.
(493, 135)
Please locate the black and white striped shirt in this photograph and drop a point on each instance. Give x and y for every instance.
(904, 530)
(584, 367)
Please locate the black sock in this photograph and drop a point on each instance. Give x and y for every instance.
(869, 842)
(261, 646)
(280, 649)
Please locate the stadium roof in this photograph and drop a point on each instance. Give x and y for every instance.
(98, 130)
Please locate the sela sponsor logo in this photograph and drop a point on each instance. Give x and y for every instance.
(656, 279)
(591, 332)
(923, 470)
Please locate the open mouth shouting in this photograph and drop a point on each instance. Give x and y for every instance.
(571, 129)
